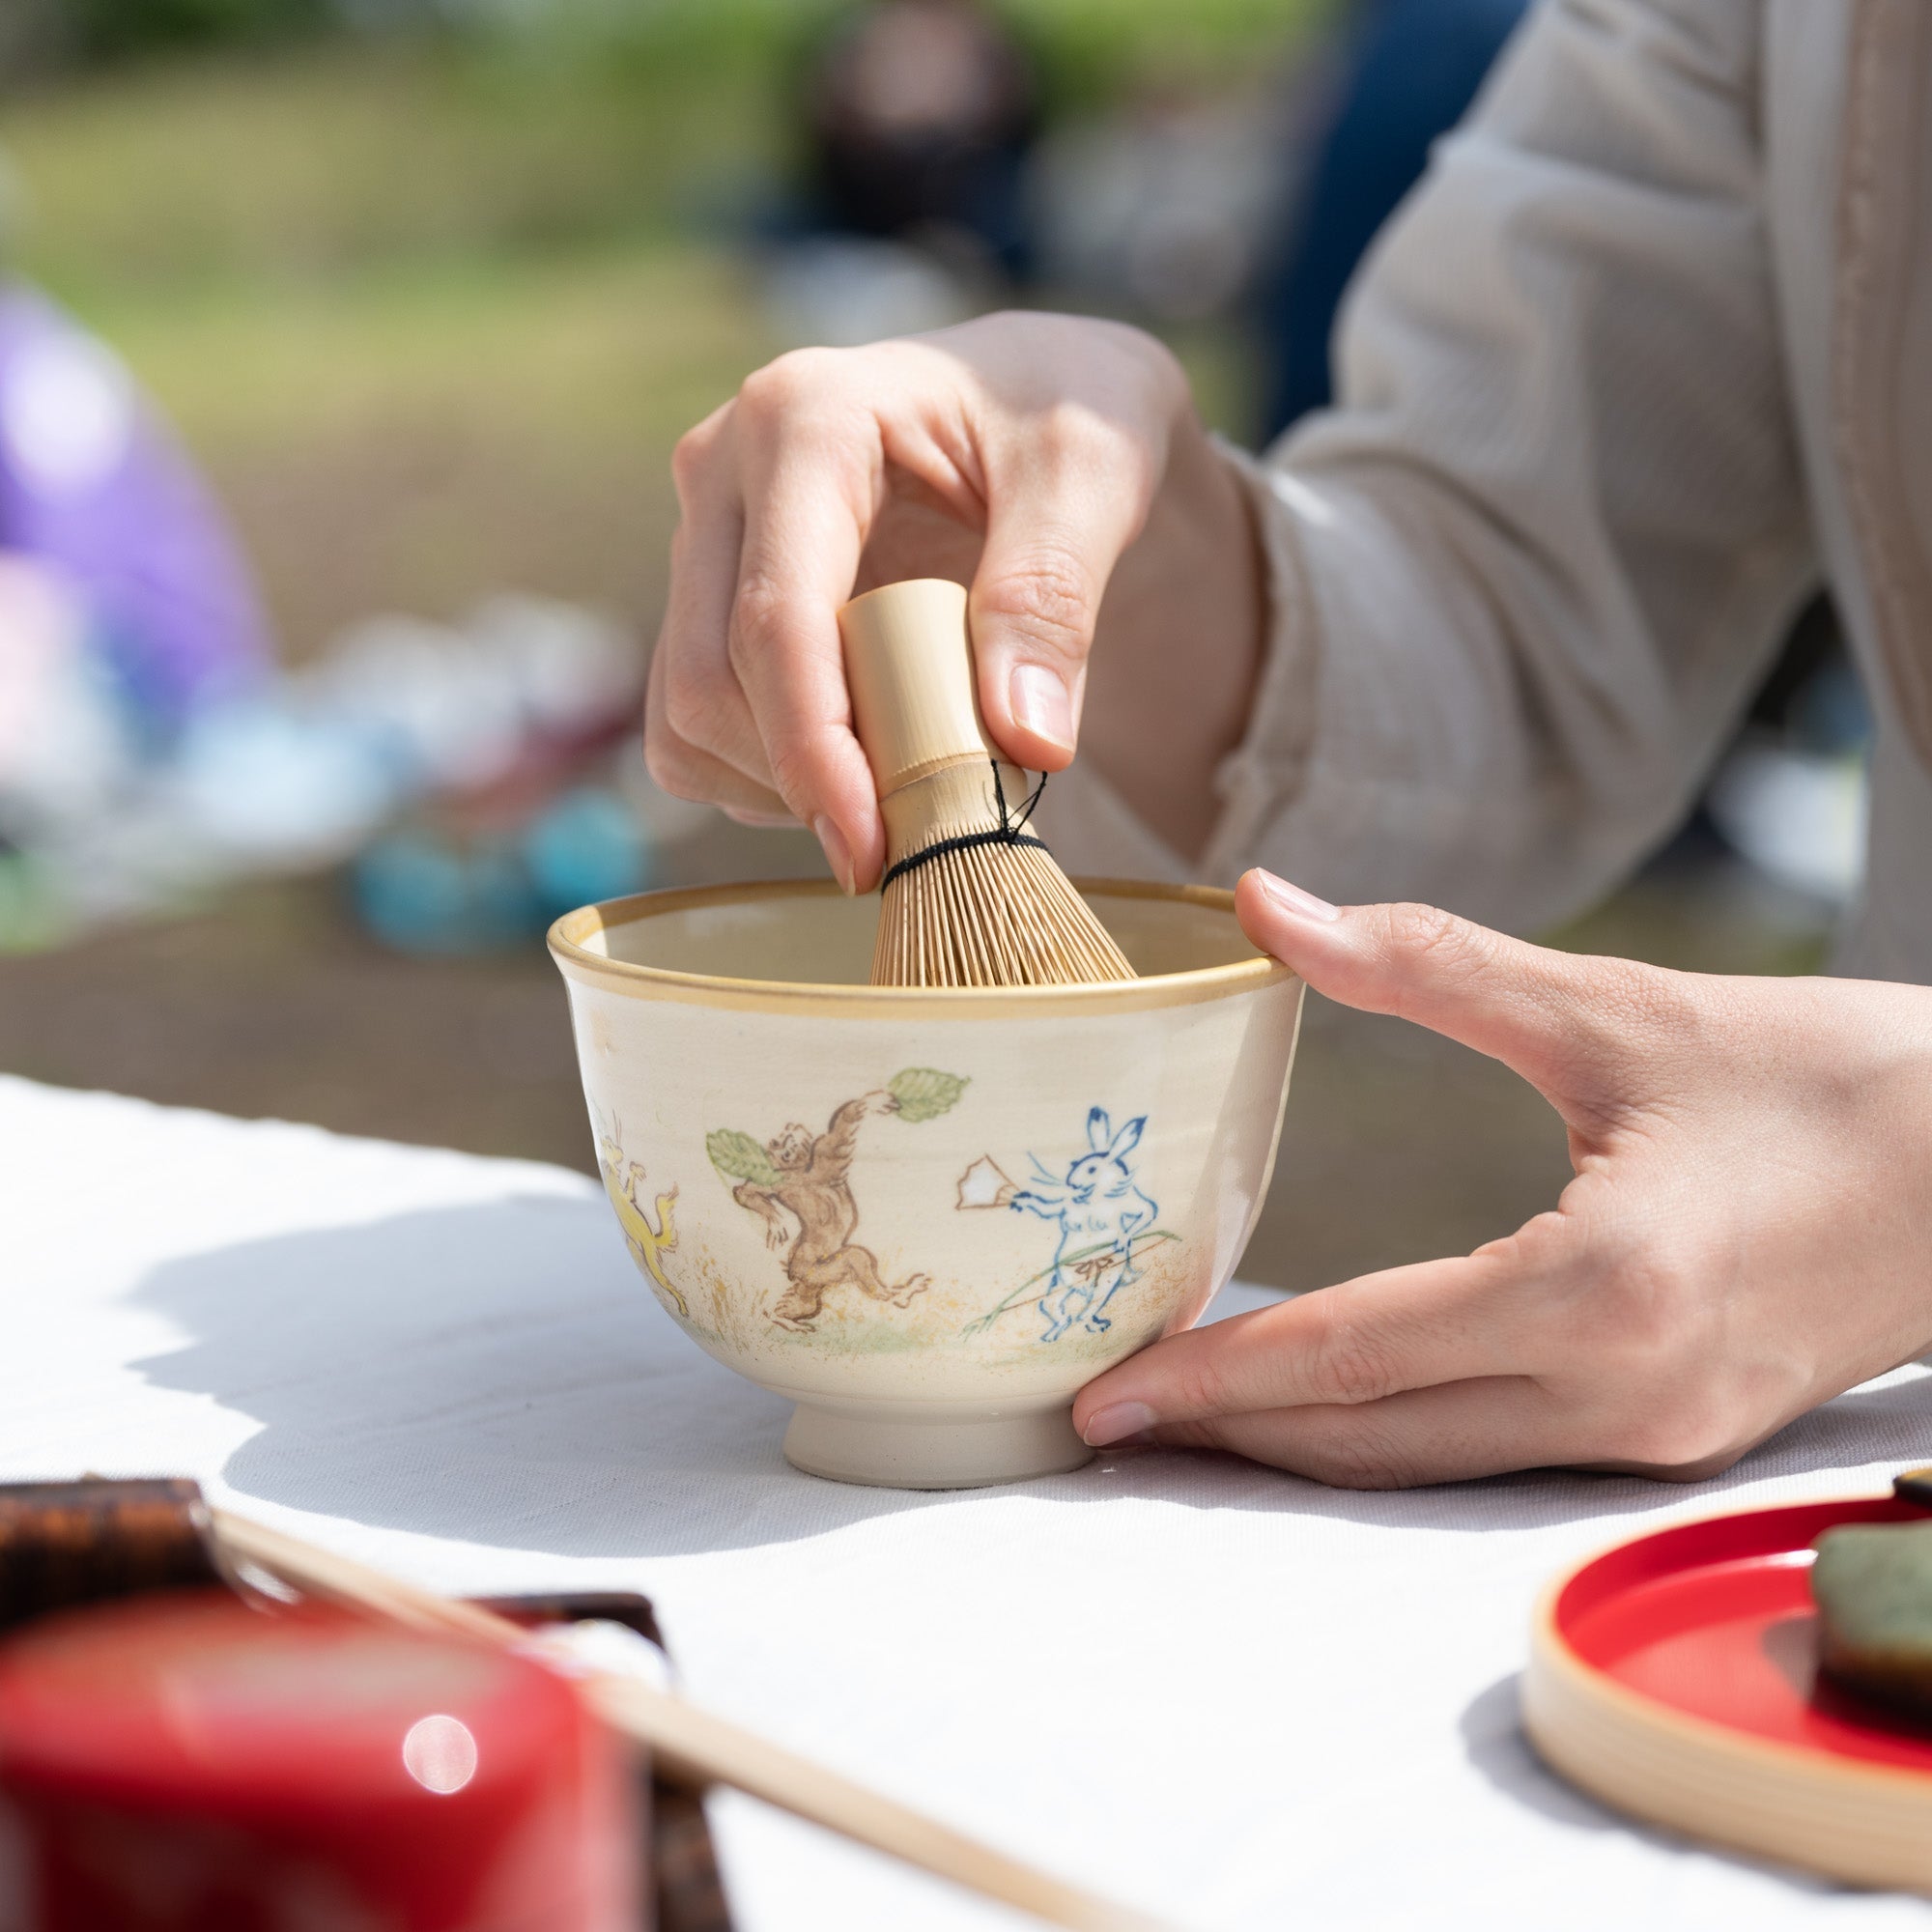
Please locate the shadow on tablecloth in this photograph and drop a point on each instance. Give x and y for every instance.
(496, 1373)
(1494, 1743)
(1496, 1746)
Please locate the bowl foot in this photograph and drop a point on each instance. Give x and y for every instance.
(939, 1453)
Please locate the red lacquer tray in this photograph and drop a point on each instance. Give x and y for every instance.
(1675, 1677)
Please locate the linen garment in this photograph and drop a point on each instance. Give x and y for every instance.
(1646, 357)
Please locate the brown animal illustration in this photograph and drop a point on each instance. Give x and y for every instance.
(812, 1182)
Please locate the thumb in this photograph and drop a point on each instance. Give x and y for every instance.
(1055, 530)
(1544, 1014)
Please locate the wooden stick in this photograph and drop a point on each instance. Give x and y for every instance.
(692, 1744)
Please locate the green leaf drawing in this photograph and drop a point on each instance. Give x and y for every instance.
(739, 1157)
(924, 1093)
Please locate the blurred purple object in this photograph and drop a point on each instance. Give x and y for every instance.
(94, 487)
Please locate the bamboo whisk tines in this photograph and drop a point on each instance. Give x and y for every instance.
(971, 896)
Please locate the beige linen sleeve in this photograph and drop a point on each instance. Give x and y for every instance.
(1525, 576)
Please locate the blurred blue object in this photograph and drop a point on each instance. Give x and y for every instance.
(1410, 71)
(420, 893)
(1831, 713)
(270, 785)
(424, 891)
(587, 847)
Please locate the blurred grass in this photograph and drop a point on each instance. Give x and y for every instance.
(590, 350)
(327, 159)
(417, 434)
(425, 316)
(579, 121)
(431, 311)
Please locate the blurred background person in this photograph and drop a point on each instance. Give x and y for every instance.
(1406, 73)
(99, 501)
(1473, 637)
(923, 119)
(1790, 797)
(125, 609)
(910, 208)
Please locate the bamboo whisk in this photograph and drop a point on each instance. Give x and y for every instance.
(971, 898)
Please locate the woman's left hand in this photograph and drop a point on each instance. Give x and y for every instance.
(1748, 1231)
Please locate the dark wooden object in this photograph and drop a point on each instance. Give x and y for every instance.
(64, 1544)
(690, 1892)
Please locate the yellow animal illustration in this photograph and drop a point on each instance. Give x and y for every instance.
(624, 1184)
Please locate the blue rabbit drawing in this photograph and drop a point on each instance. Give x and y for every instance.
(1099, 1211)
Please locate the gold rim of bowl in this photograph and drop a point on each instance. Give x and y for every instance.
(658, 982)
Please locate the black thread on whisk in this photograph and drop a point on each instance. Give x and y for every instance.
(1008, 832)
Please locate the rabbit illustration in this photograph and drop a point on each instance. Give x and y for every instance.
(1099, 1211)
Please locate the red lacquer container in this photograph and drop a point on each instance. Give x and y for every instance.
(184, 1761)
(1676, 1677)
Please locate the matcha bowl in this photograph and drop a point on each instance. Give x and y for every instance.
(925, 1217)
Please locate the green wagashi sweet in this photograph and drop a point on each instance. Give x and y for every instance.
(1872, 1583)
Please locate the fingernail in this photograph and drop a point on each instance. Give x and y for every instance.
(837, 854)
(1293, 899)
(1116, 1423)
(1040, 705)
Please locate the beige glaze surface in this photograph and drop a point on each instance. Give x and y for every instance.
(928, 1217)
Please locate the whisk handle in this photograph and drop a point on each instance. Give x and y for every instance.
(909, 667)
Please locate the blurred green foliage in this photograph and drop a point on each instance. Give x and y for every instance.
(113, 29)
(432, 304)
(335, 159)
(1086, 48)
(555, 124)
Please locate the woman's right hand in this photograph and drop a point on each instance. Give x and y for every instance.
(1020, 454)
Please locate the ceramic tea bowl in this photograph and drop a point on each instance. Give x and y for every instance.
(925, 1217)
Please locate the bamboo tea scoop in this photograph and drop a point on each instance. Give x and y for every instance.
(971, 898)
(62, 1544)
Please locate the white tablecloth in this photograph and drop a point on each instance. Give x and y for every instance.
(1236, 1697)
